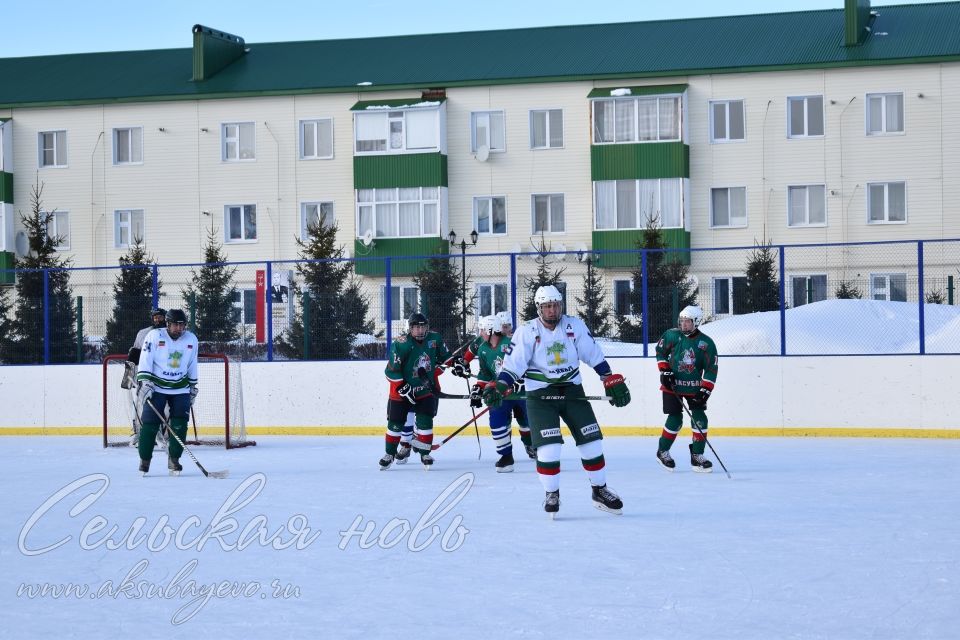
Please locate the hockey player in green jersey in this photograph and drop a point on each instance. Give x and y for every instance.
(687, 360)
(411, 362)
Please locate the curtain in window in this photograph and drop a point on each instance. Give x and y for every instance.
(626, 204)
(738, 206)
(736, 120)
(499, 298)
(877, 202)
(62, 223)
(894, 113)
(371, 127)
(797, 119)
(556, 214)
(387, 220)
(486, 300)
(498, 139)
(366, 220)
(236, 223)
(430, 220)
(123, 145)
(481, 131)
(816, 196)
(669, 118)
(603, 121)
(249, 222)
(649, 201)
(538, 129)
(308, 135)
(875, 114)
(897, 200)
(606, 195)
(671, 207)
(324, 138)
(247, 142)
(499, 215)
(556, 128)
(541, 206)
(815, 116)
(626, 120)
(422, 129)
(409, 219)
(720, 208)
(797, 206)
(719, 110)
(647, 119)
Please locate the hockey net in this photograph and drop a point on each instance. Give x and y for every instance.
(216, 417)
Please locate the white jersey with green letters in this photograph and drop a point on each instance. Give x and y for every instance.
(169, 364)
(546, 357)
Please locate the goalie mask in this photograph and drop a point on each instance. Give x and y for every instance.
(695, 315)
(158, 317)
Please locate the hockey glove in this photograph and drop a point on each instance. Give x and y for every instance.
(494, 394)
(616, 390)
(413, 394)
(702, 396)
(476, 396)
(194, 390)
(460, 368)
(145, 392)
(667, 379)
(519, 387)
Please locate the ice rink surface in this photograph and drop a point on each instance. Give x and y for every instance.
(811, 538)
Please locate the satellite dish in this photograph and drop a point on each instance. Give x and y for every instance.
(20, 244)
(367, 238)
(483, 152)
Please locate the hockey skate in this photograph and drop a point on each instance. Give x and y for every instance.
(505, 463)
(699, 462)
(531, 451)
(174, 466)
(144, 467)
(426, 460)
(551, 503)
(403, 453)
(386, 461)
(666, 460)
(607, 500)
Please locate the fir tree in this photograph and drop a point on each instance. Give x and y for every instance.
(669, 288)
(846, 290)
(762, 291)
(132, 298)
(332, 310)
(209, 296)
(5, 323)
(441, 298)
(27, 327)
(593, 311)
(545, 276)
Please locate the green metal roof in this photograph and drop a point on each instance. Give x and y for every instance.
(803, 39)
(645, 90)
(397, 103)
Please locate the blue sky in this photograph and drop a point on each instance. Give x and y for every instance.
(109, 25)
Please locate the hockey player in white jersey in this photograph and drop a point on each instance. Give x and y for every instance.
(547, 352)
(167, 376)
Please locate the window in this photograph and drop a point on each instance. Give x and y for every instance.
(546, 129)
(127, 227)
(487, 130)
(728, 207)
(399, 213)
(128, 145)
(397, 131)
(548, 213)
(806, 206)
(633, 204)
(726, 121)
(315, 214)
(316, 139)
(240, 222)
(53, 148)
(245, 305)
(884, 113)
(729, 295)
(621, 297)
(808, 289)
(491, 299)
(58, 229)
(239, 141)
(888, 286)
(404, 301)
(805, 116)
(490, 214)
(625, 120)
(886, 202)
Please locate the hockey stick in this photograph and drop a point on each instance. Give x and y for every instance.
(467, 424)
(476, 427)
(696, 426)
(455, 396)
(193, 419)
(170, 431)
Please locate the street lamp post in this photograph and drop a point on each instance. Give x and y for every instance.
(452, 237)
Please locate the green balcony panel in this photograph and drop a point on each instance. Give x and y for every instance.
(7, 261)
(628, 238)
(397, 248)
(6, 187)
(400, 170)
(639, 161)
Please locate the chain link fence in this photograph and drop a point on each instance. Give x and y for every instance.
(825, 299)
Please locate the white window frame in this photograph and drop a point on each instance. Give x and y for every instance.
(488, 117)
(325, 220)
(58, 220)
(641, 220)
(613, 289)
(243, 224)
(491, 287)
(635, 139)
(882, 131)
(129, 225)
(240, 304)
(806, 117)
(396, 116)
(315, 138)
(807, 223)
(59, 149)
(545, 113)
(726, 139)
(135, 133)
(401, 289)
(381, 197)
(806, 277)
(746, 209)
(886, 203)
(476, 215)
(533, 212)
(226, 139)
(887, 289)
(730, 289)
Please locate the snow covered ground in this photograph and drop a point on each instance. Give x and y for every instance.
(810, 538)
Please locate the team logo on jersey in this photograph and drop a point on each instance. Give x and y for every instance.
(702, 345)
(569, 330)
(555, 351)
(424, 362)
(688, 362)
(161, 343)
(175, 358)
(550, 433)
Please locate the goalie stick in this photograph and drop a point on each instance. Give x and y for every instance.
(171, 432)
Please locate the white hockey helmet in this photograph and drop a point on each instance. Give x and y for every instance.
(694, 313)
(504, 319)
(487, 323)
(547, 293)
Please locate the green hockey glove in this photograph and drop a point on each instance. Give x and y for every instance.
(617, 390)
(493, 396)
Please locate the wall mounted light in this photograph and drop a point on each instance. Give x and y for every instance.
(204, 129)
(161, 129)
(920, 95)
